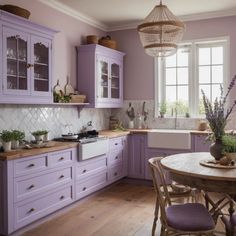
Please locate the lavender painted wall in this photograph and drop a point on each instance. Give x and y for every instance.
(72, 33)
(139, 68)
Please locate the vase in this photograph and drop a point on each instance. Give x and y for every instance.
(216, 149)
(15, 144)
(6, 146)
(131, 124)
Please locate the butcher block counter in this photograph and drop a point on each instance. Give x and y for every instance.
(52, 146)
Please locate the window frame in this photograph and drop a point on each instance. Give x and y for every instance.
(159, 66)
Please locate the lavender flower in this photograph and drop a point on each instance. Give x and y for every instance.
(215, 113)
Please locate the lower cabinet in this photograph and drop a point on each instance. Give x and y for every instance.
(137, 153)
(199, 143)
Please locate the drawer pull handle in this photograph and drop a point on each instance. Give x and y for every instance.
(31, 186)
(61, 177)
(115, 174)
(116, 157)
(62, 197)
(31, 210)
(84, 188)
(61, 159)
(84, 171)
(31, 165)
(116, 144)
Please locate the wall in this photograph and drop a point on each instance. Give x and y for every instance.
(71, 33)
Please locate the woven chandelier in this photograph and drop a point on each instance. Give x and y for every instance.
(160, 32)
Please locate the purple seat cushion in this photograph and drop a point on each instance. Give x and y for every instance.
(189, 217)
(234, 220)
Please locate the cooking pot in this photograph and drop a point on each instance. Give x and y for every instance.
(70, 136)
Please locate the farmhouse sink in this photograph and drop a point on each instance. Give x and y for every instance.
(171, 139)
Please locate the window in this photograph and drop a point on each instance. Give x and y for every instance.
(180, 78)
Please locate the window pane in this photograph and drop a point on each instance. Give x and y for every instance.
(204, 74)
(204, 56)
(182, 75)
(217, 55)
(170, 94)
(171, 61)
(182, 58)
(171, 76)
(217, 74)
(183, 93)
(215, 91)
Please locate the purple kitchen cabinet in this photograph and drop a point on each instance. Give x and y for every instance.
(100, 75)
(26, 58)
(199, 143)
(137, 153)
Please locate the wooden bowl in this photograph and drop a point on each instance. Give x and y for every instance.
(16, 10)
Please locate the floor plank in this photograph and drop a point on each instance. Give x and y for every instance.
(124, 209)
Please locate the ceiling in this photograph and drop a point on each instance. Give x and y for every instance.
(112, 15)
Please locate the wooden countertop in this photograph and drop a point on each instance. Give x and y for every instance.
(20, 153)
(113, 134)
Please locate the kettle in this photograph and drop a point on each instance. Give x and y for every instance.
(89, 126)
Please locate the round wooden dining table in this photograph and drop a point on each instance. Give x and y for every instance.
(185, 168)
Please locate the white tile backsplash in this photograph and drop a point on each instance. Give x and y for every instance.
(56, 119)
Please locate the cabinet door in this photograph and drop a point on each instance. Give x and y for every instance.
(41, 60)
(115, 80)
(137, 146)
(16, 67)
(102, 79)
(200, 143)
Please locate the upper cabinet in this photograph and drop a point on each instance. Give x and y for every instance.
(100, 75)
(26, 61)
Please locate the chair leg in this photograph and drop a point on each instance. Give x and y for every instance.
(155, 217)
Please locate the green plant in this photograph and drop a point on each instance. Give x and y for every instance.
(18, 135)
(39, 132)
(229, 143)
(163, 108)
(6, 136)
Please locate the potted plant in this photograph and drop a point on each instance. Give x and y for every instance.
(6, 138)
(163, 109)
(229, 146)
(39, 135)
(217, 115)
(17, 136)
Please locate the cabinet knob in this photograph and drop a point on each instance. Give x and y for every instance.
(31, 186)
(62, 197)
(84, 188)
(84, 171)
(115, 174)
(31, 165)
(116, 157)
(61, 177)
(31, 210)
(30, 65)
(61, 159)
(116, 144)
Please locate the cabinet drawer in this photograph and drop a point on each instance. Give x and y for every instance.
(38, 184)
(60, 158)
(32, 210)
(116, 143)
(91, 184)
(115, 157)
(30, 165)
(91, 166)
(115, 173)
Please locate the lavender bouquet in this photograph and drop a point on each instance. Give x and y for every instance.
(216, 114)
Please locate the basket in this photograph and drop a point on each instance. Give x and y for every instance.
(78, 98)
(92, 39)
(108, 43)
(16, 10)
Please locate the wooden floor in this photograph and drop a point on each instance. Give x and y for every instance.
(122, 210)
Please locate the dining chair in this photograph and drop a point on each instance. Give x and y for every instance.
(179, 219)
(230, 224)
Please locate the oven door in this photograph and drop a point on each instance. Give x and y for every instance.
(93, 149)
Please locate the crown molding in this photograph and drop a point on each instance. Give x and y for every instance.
(95, 23)
(77, 15)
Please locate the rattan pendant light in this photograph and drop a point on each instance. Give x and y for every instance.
(160, 32)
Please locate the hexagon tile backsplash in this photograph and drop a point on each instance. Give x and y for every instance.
(56, 119)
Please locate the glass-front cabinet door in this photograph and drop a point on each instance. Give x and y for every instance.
(102, 78)
(115, 80)
(41, 55)
(15, 62)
